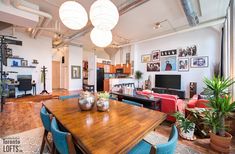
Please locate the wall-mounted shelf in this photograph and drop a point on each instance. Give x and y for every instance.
(25, 66)
(15, 58)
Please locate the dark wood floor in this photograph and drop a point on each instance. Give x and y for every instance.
(23, 115)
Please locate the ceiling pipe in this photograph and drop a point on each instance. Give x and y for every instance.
(190, 13)
(200, 26)
(122, 10)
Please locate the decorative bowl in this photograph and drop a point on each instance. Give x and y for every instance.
(86, 101)
(102, 104)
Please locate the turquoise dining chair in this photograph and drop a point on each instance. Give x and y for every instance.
(62, 140)
(46, 121)
(144, 147)
(68, 97)
(132, 103)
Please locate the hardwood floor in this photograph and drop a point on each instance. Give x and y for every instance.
(24, 115)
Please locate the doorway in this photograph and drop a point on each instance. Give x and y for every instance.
(55, 75)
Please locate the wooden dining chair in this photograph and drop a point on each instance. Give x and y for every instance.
(145, 147)
(46, 121)
(132, 103)
(62, 140)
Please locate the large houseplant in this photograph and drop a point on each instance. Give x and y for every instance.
(220, 105)
(138, 76)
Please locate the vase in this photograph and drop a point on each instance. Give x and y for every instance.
(86, 101)
(221, 143)
(102, 104)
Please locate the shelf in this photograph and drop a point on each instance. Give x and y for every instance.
(15, 58)
(25, 66)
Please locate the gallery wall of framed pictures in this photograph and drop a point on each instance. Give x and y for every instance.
(181, 59)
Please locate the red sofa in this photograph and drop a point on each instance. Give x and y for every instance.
(197, 101)
(169, 103)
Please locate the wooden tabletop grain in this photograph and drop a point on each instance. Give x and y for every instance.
(115, 131)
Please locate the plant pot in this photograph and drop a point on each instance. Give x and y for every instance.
(221, 143)
(102, 104)
(189, 135)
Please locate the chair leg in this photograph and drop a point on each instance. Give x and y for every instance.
(43, 141)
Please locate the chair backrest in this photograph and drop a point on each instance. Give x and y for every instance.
(170, 146)
(132, 103)
(46, 120)
(62, 140)
(69, 96)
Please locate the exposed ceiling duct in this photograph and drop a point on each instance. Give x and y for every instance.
(4, 25)
(190, 12)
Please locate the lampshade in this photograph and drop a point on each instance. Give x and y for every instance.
(73, 15)
(104, 14)
(101, 38)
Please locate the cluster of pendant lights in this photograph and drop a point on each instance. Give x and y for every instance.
(103, 15)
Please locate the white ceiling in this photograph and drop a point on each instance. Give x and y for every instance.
(138, 23)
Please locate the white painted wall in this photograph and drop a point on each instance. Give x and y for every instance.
(208, 43)
(120, 56)
(99, 53)
(39, 49)
(75, 57)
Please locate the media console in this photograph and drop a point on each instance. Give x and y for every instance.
(179, 93)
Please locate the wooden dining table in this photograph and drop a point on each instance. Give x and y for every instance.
(114, 131)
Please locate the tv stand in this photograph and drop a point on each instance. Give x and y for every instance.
(179, 93)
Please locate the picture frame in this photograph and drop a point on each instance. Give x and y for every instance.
(172, 52)
(75, 72)
(153, 67)
(199, 62)
(155, 55)
(146, 58)
(24, 62)
(183, 64)
(187, 51)
(168, 63)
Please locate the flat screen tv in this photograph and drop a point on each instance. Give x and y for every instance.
(168, 81)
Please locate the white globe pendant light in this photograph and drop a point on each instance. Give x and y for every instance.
(104, 15)
(73, 15)
(101, 38)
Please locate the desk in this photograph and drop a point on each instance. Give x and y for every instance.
(115, 131)
(154, 103)
(12, 87)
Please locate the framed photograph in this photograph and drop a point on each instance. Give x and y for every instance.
(145, 58)
(187, 51)
(24, 63)
(168, 63)
(156, 55)
(153, 67)
(200, 62)
(169, 52)
(183, 64)
(75, 72)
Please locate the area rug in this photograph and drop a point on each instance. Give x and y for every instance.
(29, 143)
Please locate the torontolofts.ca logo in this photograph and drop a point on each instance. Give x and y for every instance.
(11, 145)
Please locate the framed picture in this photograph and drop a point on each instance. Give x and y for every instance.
(183, 64)
(75, 72)
(168, 63)
(24, 63)
(145, 58)
(169, 52)
(156, 55)
(200, 62)
(187, 51)
(153, 67)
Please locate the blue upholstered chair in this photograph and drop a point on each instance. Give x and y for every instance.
(62, 140)
(113, 98)
(132, 103)
(69, 96)
(46, 121)
(144, 147)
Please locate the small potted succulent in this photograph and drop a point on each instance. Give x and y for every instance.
(103, 101)
(186, 126)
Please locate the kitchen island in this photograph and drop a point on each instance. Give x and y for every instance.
(109, 83)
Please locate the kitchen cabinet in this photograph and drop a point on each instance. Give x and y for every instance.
(106, 85)
(127, 68)
(100, 65)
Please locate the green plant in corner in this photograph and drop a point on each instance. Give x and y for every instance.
(138, 76)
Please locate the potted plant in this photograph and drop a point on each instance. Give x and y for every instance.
(186, 126)
(138, 76)
(103, 101)
(220, 105)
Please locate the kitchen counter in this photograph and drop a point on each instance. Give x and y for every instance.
(115, 81)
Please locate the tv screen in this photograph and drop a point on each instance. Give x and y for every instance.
(168, 81)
